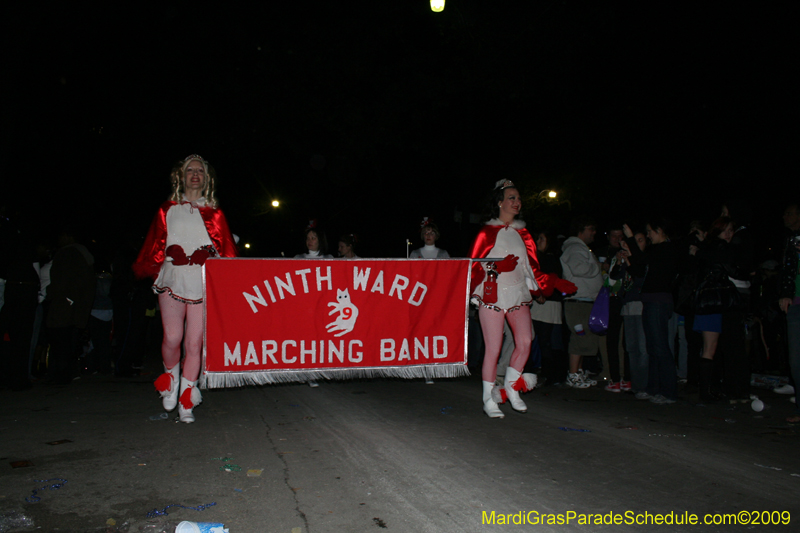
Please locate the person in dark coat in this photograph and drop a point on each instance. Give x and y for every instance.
(18, 311)
(70, 295)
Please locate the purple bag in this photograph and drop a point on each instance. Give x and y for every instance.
(598, 319)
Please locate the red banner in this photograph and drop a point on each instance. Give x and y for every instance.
(279, 320)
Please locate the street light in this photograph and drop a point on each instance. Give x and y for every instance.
(437, 6)
(547, 194)
(550, 197)
(275, 203)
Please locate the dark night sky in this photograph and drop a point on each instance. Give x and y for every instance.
(369, 116)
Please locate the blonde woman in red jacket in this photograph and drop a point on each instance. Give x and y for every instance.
(188, 229)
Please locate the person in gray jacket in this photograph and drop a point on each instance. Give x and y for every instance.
(581, 268)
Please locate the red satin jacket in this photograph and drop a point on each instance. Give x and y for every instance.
(484, 243)
(152, 254)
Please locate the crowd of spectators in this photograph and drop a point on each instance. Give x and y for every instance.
(683, 309)
(67, 311)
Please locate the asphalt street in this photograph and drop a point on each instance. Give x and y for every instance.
(395, 455)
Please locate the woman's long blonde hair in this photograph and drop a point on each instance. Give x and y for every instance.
(177, 179)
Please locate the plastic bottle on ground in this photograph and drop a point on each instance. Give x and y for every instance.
(201, 527)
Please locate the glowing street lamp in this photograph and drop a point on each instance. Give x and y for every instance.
(549, 197)
(275, 203)
(548, 194)
(437, 6)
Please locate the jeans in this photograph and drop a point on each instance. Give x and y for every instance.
(661, 378)
(637, 351)
(793, 335)
(618, 363)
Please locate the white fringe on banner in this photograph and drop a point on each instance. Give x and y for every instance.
(218, 380)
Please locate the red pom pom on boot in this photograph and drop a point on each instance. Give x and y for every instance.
(190, 398)
(499, 395)
(167, 385)
(526, 383)
(512, 377)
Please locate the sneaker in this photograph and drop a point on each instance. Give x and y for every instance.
(576, 381)
(585, 377)
(642, 395)
(658, 399)
(613, 387)
(784, 389)
(625, 386)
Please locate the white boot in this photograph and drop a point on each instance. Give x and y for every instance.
(490, 406)
(167, 386)
(190, 398)
(512, 375)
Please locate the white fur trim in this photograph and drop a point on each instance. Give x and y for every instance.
(516, 223)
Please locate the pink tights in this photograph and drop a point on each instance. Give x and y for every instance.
(182, 322)
(492, 326)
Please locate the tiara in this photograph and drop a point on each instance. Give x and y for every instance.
(503, 184)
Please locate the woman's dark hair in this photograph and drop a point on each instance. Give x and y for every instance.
(426, 227)
(551, 238)
(349, 239)
(497, 196)
(719, 225)
(323, 241)
(662, 223)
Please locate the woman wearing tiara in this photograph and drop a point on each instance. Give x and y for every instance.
(188, 229)
(504, 290)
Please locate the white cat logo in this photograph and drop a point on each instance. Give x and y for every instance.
(348, 313)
